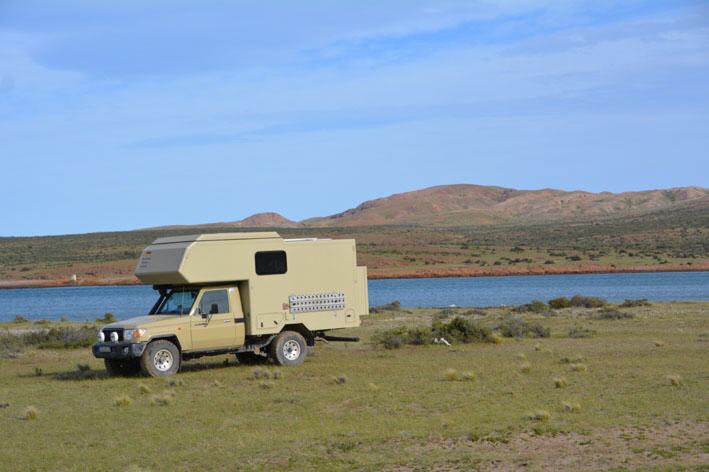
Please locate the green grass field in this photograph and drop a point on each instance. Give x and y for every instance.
(606, 401)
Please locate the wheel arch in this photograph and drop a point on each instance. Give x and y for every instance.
(303, 331)
(167, 337)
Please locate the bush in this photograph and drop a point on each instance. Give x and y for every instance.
(518, 328)
(20, 319)
(611, 314)
(578, 332)
(558, 303)
(393, 306)
(461, 330)
(107, 318)
(451, 375)
(536, 306)
(53, 338)
(587, 302)
(635, 303)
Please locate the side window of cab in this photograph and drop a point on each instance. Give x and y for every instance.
(214, 302)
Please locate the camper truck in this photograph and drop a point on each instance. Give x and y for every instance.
(256, 295)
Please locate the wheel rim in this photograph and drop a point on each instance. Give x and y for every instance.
(163, 360)
(291, 350)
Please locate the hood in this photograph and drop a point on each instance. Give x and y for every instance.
(149, 320)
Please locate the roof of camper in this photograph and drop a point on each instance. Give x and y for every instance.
(217, 237)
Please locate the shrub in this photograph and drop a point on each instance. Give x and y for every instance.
(571, 407)
(560, 382)
(461, 330)
(539, 415)
(587, 302)
(536, 306)
(53, 338)
(558, 303)
(518, 328)
(451, 375)
(576, 332)
(30, 413)
(20, 319)
(391, 338)
(107, 318)
(123, 400)
(635, 303)
(611, 314)
(419, 336)
(38, 371)
(393, 306)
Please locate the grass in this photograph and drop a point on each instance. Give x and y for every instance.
(395, 411)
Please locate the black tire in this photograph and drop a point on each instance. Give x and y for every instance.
(250, 358)
(122, 367)
(289, 348)
(160, 359)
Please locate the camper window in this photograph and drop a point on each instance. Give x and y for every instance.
(271, 263)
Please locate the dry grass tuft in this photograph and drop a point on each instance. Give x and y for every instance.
(217, 384)
(373, 387)
(122, 400)
(572, 360)
(259, 373)
(340, 380)
(144, 389)
(525, 367)
(521, 356)
(38, 371)
(675, 380)
(83, 367)
(266, 385)
(659, 343)
(571, 407)
(579, 367)
(176, 383)
(29, 414)
(469, 376)
(495, 338)
(537, 347)
(451, 375)
(277, 375)
(162, 400)
(538, 415)
(560, 382)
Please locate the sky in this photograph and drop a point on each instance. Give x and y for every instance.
(133, 114)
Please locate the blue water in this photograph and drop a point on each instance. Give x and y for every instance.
(86, 303)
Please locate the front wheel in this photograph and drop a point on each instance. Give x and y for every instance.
(160, 359)
(289, 348)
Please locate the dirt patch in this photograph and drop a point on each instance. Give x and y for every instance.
(682, 444)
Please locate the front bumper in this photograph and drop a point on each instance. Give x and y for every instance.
(118, 350)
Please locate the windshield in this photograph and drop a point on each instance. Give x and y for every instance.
(177, 302)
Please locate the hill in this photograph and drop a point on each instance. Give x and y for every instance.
(457, 230)
(467, 205)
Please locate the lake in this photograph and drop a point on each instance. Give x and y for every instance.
(87, 303)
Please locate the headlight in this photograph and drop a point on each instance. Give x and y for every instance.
(114, 336)
(101, 337)
(133, 333)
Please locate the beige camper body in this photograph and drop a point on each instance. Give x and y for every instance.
(316, 270)
(256, 295)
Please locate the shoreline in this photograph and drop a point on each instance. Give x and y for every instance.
(459, 272)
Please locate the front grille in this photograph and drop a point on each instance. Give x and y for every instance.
(107, 334)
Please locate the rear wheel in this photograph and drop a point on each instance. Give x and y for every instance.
(122, 367)
(160, 359)
(289, 348)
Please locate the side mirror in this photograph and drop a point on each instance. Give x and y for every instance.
(214, 309)
(201, 313)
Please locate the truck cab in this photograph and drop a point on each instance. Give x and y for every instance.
(272, 302)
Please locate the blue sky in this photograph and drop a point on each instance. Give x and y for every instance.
(121, 115)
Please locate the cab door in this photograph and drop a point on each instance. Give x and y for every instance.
(213, 323)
